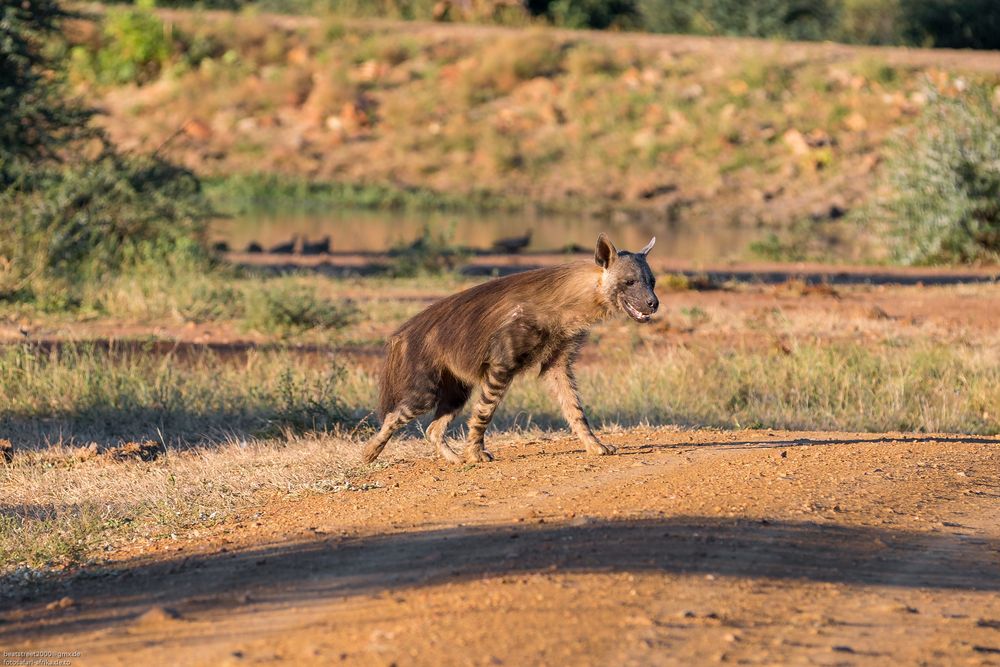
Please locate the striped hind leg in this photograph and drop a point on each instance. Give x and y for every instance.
(491, 392)
(392, 422)
(452, 394)
(436, 431)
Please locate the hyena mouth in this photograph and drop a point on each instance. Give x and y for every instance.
(634, 313)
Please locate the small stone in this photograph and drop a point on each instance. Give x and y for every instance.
(641, 620)
(157, 616)
(855, 122)
(794, 140)
(62, 603)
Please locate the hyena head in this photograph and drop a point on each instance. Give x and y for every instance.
(627, 283)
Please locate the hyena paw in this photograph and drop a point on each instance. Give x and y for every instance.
(449, 454)
(477, 456)
(601, 449)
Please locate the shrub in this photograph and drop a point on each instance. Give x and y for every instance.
(510, 61)
(36, 118)
(430, 254)
(952, 24)
(870, 22)
(135, 46)
(308, 404)
(598, 14)
(87, 221)
(939, 23)
(792, 19)
(72, 209)
(283, 307)
(944, 176)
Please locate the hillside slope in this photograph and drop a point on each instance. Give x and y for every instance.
(723, 129)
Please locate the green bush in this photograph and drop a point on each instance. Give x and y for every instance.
(791, 19)
(940, 23)
(598, 14)
(308, 404)
(85, 222)
(73, 210)
(870, 22)
(36, 117)
(955, 24)
(284, 308)
(135, 46)
(430, 254)
(944, 175)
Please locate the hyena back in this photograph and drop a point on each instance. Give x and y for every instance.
(485, 336)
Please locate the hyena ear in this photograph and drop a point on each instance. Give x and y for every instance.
(649, 246)
(606, 252)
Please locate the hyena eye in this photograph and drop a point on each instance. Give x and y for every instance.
(629, 283)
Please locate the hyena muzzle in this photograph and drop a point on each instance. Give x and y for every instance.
(483, 337)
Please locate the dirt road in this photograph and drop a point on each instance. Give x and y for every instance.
(754, 547)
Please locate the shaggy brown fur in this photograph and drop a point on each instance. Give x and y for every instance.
(485, 336)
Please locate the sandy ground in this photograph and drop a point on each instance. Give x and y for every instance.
(689, 547)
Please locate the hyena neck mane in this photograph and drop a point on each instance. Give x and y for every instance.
(568, 297)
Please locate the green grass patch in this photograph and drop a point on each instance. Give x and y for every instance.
(244, 193)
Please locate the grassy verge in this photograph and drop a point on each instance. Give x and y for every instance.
(232, 423)
(278, 306)
(240, 193)
(206, 397)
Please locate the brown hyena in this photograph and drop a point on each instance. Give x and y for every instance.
(483, 337)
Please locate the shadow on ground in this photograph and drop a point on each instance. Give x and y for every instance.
(327, 569)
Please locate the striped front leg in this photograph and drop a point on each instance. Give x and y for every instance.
(491, 392)
(563, 384)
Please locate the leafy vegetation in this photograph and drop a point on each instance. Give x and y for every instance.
(287, 308)
(943, 23)
(134, 47)
(75, 210)
(36, 118)
(944, 178)
(792, 19)
(239, 193)
(433, 253)
(83, 222)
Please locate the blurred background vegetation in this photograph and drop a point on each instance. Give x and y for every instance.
(959, 24)
(75, 210)
(78, 212)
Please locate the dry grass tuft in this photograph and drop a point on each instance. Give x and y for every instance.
(61, 509)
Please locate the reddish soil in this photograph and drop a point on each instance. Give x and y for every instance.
(689, 547)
